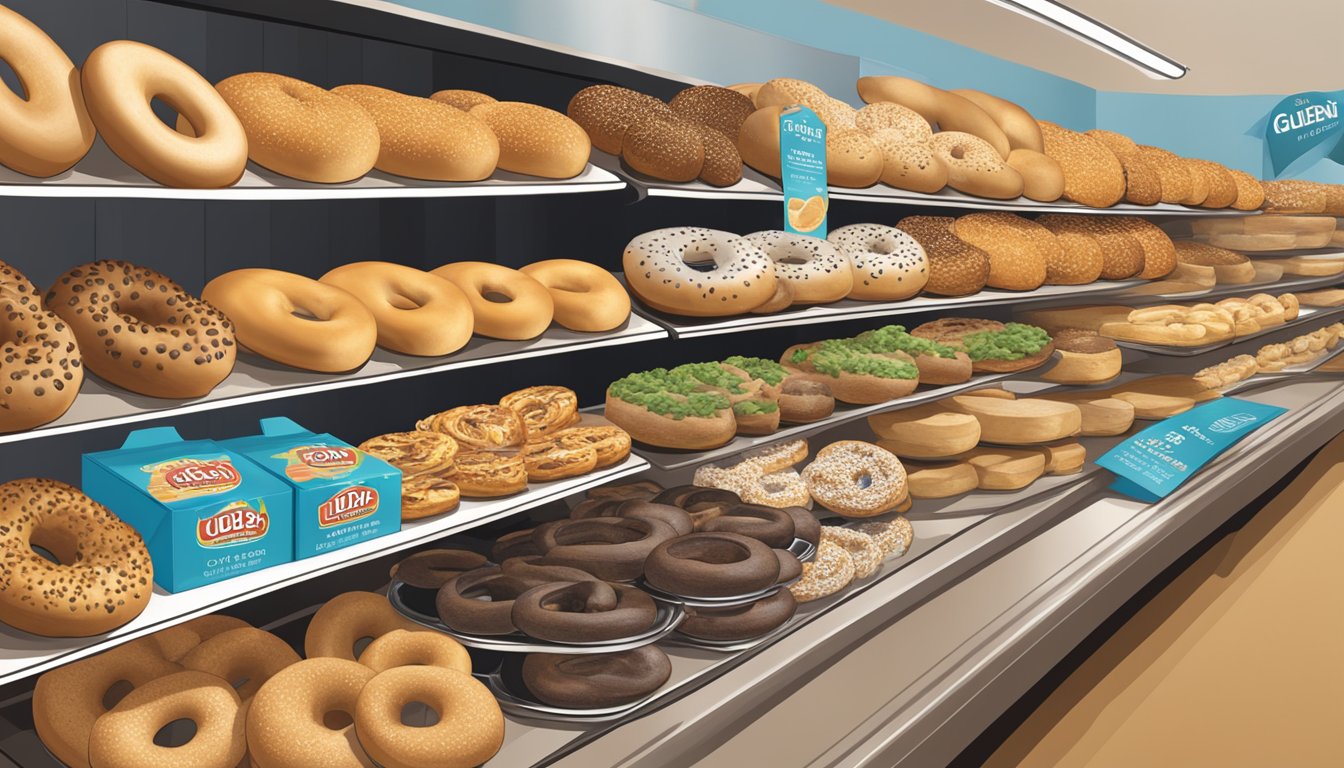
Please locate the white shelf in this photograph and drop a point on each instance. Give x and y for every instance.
(22, 654)
(102, 174)
(255, 379)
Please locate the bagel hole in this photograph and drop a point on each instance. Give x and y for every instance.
(496, 297)
(55, 544)
(116, 692)
(337, 719)
(304, 314)
(176, 734)
(865, 480)
(12, 81)
(165, 112)
(793, 260)
(418, 714)
(958, 153)
(700, 262)
(712, 551)
(406, 302)
(361, 644)
(240, 682)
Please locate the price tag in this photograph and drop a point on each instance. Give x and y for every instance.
(802, 169)
(1155, 462)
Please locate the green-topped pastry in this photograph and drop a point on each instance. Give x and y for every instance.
(675, 408)
(993, 347)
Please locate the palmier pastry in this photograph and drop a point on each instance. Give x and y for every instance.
(544, 409)
(549, 459)
(612, 444)
(414, 452)
(583, 612)
(481, 427)
(482, 474)
(428, 495)
(611, 548)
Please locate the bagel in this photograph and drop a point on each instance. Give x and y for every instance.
(956, 268)
(904, 122)
(124, 737)
(711, 564)
(534, 140)
(246, 653)
(459, 602)
(852, 159)
(400, 648)
(469, 731)
(1015, 264)
(287, 725)
(611, 548)
(909, 164)
(1015, 122)
(722, 109)
(121, 78)
(605, 112)
(593, 681)
(1093, 175)
(583, 612)
(525, 312)
(785, 92)
(295, 320)
(298, 129)
(426, 139)
(47, 129)
(431, 568)
(102, 576)
(818, 272)
(346, 619)
(836, 479)
(947, 110)
(32, 336)
(1042, 178)
(888, 264)
(461, 98)
(741, 622)
(662, 269)
(586, 297)
(974, 167)
(143, 332)
(415, 312)
(178, 640)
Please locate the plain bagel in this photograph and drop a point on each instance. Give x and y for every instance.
(426, 139)
(662, 267)
(525, 311)
(47, 130)
(295, 320)
(417, 313)
(947, 110)
(535, 140)
(587, 297)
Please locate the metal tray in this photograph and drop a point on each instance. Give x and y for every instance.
(711, 602)
(505, 681)
(409, 602)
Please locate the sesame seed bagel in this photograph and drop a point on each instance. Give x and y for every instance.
(535, 140)
(39, 355)
(298, 129)
(956, 268)
(663, 268)
(426, 139)
(974, 167)
(888, 116)
(907, 163)
(606, 111)
(889, 265)
(143, 332)
(817, 270)
(722, 109)
(47, 130)
(103, 576)
(836, 479)
(124, 737)
(949, 111)
(666, 148)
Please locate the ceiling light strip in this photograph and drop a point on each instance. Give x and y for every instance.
(1097, 35)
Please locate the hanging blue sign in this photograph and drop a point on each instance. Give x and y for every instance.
(802, 171)
(1301, 123)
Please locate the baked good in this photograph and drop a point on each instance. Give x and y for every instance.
(949, 111)
(595, 681)
(1122, 253)
(610, 548)
(940, 479)
(1093, 175)
(400, 648)
(664, 147)
(1022, 421)
(345, 620)
(102, 577)
(906, 163)
(119, 78)
(1222, 187)
(830, 571)
(1042, 176)
(478, 427)
(764, 522)
(676, 517)
(295, 320)
(425, 139)
(1062, 266)
(904, 123)
(534, 140)
(711, 564)
(1250, 193)
(606, 111)
(1143, 184)
(956, 267)
(722, 109)
(611, 444)
(1229, 266)
(469, 732)
(299, 130)
(815, 269)
(1327, 297)
(803, 400)
(178, 640)
(480, 601)
(925, 432)
(1306, 265)
(1085, 357)
(543, 410)
(673, 408)
(525, 312)
(1159, 253)
(852, 159)
(246, 653)
(975, 167)
(1005, 469)
(414, 452)
(179, 347)
(285, 724)
(888, 264)
(1015, 262)
(488, 475)
(1294, 196)
(1231, 371)
(583, 612)
(47, 130)
(864, 551)
(415, 312)
(723, 163)
(462, 98)
(993, 347)
(658, 268)
(1199, 182)
(742, 622)
(47, 385)
(432, 568)
(546, 460)
(1017, 123)
(854, 372)
(835, 479)
(788, 91)
(1079, 259)
(124, 736)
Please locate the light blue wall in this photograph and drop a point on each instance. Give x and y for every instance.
(727, 41)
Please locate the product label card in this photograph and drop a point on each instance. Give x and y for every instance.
(320, 462)
(189, 477)
(802, 170)
(237, 523)
(347, 505)
(1155, 462)
(1300, 123)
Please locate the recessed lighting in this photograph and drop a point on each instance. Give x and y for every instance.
(1098, 35)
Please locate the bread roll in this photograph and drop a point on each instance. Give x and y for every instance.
(974, 167)
(535, 140)
(1093, 175)
(1017, 123)
(948, 111)
(606, 111)
(1042, 178)
(1015, 263)
(722, 109)
(425, 139)
(462, 99)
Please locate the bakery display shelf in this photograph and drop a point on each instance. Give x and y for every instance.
(668, 459)
(1307, 316)
(757, 186)
(1279, 285)
(847, 309)
(22, 654)
(255, 379)
(101, 174)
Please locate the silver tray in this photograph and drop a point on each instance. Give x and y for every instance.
(728, 646)
(806, 550)
(403, 601)
(711, 602)
(506, 683)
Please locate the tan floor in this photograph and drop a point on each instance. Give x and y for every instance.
(1238, 663)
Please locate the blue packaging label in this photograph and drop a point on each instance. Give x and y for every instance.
(1301, 122)
(802, 170)
(1155, 462)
